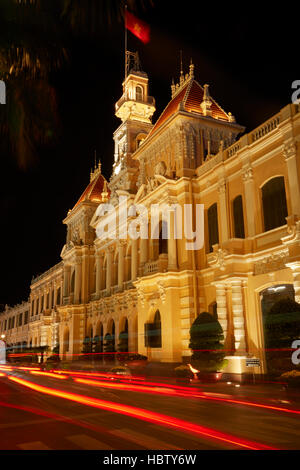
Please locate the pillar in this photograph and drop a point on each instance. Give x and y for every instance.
(172, 246)
(295, 267)
(249, 200)
(78, 270)
(291, 162)
(99, 268)
(223, 211)
(67, 270)
(108, 268)
(238, 316)
(121, 247)
(222, 307)
(134, 259)
(143, 254)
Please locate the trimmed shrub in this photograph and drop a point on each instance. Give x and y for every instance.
(206, 335)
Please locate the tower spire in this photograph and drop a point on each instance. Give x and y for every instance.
(97, 168)
(181, 69)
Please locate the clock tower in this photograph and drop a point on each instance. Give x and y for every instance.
(135, 108)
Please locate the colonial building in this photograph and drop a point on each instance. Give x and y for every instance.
(148, 291)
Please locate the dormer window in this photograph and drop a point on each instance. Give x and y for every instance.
(139, 93)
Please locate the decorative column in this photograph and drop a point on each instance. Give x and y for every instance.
(78, 269)
(223, 210)
(67, 270)
(134, 259)
(295, 267)
(40, 302)
(143, 253)
(44, 297)
(238, 316)
(61, 292)
(121, 246)
(172, 246)
(99, 267)
(290, 153)
(51, 290)
(108, 267)
(249, 200)
(222, 307)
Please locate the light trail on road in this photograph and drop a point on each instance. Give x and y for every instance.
(145, 415)
(175, 392)
(158, 388)
(48, 374)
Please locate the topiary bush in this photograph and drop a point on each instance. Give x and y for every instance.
(206, 335)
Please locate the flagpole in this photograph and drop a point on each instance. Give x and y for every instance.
(125, 23)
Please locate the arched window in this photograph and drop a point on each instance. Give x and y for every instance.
(157, 330)
(153, 332)
(123, 338)
(274, 203)
(66, 340)
(72, 284)
(58, 296)
(213, 228)
(163, 238)
(139, 93)
(238, 217)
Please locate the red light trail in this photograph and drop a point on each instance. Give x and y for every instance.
(158, 388)
(49, 374)
(145, 415)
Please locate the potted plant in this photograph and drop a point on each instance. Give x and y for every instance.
(206, 336)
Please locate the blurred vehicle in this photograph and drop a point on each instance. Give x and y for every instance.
(52, 362)
(120, 372)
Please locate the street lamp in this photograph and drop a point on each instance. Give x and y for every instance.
(2, 350)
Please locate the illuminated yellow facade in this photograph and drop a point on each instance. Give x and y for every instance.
(194, 154)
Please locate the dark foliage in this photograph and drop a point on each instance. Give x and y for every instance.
(206, 335)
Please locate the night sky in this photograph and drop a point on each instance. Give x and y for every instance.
(248, 57)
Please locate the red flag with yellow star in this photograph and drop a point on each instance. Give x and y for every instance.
(137, 27)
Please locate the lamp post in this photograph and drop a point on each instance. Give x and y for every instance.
(2, 350)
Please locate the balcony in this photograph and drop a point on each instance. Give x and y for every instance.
(150, 101)
(158, 266)
(151, 267)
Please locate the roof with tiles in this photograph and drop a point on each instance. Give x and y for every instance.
(95, 189)
(190, 94)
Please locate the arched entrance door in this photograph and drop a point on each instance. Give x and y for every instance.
(123, 336)
(109, 342)
(66, 343)
(271, 295)
(281, 325)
